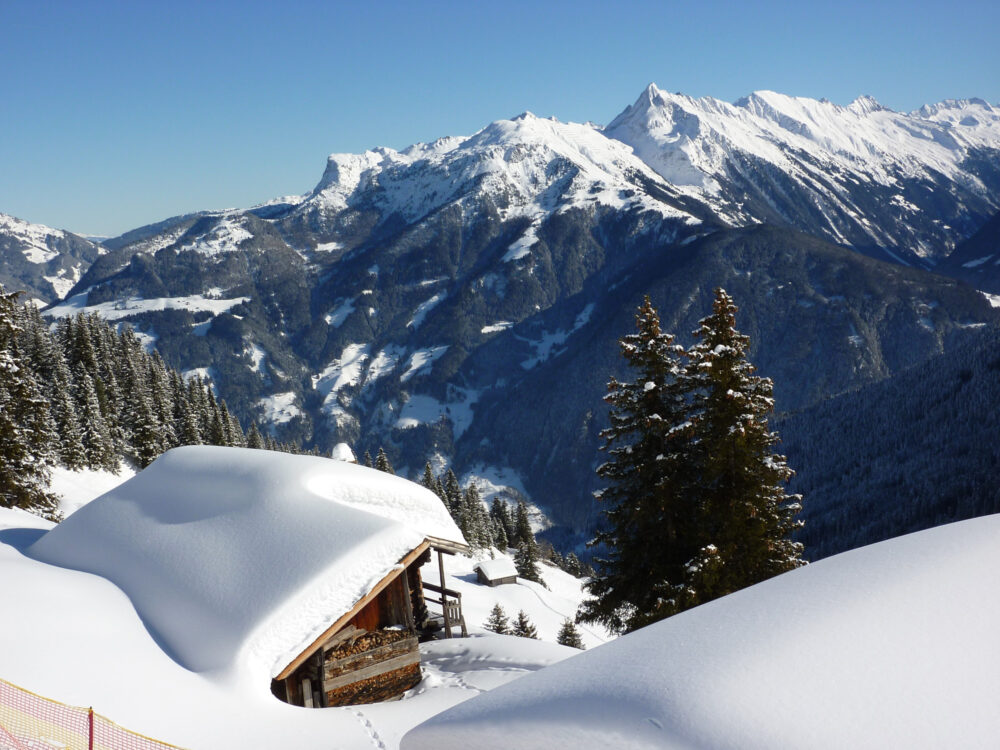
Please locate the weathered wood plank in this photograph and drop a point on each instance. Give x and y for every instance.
(336, 667)
(387, 665)
(382, 687)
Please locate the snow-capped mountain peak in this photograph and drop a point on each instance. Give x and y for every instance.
(36, 238)
(42, 261)
(518, 162)
(771, 157)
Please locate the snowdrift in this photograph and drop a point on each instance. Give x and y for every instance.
(237, 558)
(893, 645)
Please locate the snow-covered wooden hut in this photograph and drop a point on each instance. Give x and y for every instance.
(496, 572)
(303, 569)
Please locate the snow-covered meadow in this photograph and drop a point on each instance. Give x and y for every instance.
(892, 645)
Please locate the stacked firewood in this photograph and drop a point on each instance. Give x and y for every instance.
(366, 640)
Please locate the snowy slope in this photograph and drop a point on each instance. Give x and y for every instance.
(546, 606)
(77, 488)
(892, 645)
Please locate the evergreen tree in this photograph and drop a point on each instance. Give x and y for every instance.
(474, 521)
(650, 533)
(500, 513)
(500, 540)
(522, 627)
(497, 621)
(747, 517)
(97, 442)
(453, 494)
(382, 462)
(695, 505)
(367, 460)
(569, 635)
(71, 451)
(526, 561)
(522, 526)
(27, 434)
(254, 440)
(572, 565)
(147, 432)
(439, 491)
(428, 479)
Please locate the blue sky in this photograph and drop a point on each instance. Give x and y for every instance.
(116, 114)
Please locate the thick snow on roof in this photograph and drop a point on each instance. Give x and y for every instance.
(892, 645)
(500, 567)
(343, 452)
(237, 558)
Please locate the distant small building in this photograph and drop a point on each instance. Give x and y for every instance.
(496, 572)
(343, 452)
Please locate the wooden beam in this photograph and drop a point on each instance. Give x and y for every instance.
(299, 660)
(444, 596)
(449, 547)
(338, 638)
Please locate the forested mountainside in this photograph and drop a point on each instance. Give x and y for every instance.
(977, 259)
(914, 451)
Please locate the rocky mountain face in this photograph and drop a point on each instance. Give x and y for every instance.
(460, 301)
(906, 186)
(45, 263)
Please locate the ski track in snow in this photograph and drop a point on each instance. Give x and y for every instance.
(561, 614)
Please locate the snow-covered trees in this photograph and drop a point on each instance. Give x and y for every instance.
(382, 462)
(27, 432)
(695, 504)
(87, 395)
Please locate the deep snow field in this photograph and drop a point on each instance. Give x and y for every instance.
(78, 639)
(892, 645)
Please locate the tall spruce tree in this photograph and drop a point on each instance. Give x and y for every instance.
(522, 525)
(747, 517)
(526, 561)
(453, 494)
(500, 513)
(650, 532)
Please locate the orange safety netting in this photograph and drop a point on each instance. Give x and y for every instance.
(31, 722)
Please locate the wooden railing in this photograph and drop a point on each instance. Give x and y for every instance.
(451, 607)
